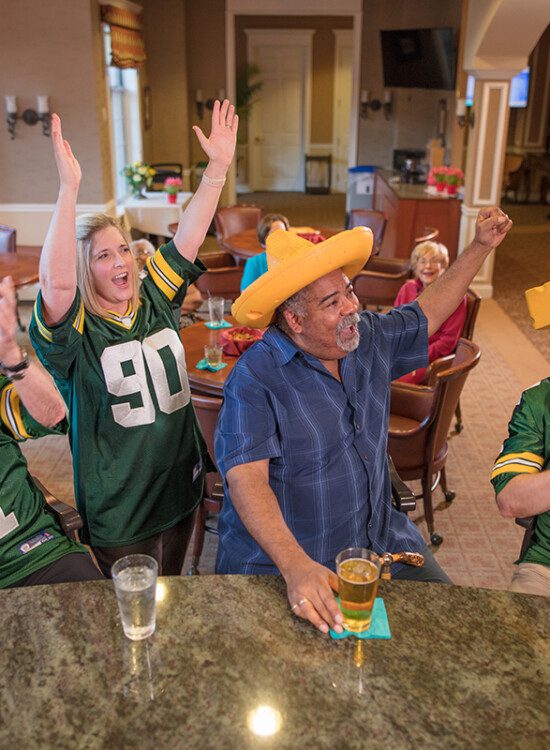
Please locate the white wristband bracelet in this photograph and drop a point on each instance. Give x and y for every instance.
(214, 183)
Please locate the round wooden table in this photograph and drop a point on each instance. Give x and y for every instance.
(194, 339)
(22, 266)
(245, 245)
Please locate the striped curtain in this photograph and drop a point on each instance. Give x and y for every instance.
(127, 45)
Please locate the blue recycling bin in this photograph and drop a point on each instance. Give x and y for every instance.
(360, 187)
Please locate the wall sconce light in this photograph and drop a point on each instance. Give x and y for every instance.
(375, 104)
(11, 110)
(29, 116)
(463, 114)
(209, 103)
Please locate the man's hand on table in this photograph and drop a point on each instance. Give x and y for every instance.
(310, 589)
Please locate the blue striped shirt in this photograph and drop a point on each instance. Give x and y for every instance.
(325, 440)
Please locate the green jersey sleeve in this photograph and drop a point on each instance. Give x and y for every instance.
(16, 421)
(169, 275)
(57, 346)
(523, 451)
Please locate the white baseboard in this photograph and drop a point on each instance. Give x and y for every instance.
(31, 220)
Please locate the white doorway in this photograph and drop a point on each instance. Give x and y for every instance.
(279, 124)
(343, 80)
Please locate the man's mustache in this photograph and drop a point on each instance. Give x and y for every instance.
(349, 320)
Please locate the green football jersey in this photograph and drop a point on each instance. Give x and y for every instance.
(526, 450)
(139, 456)
(30, 537)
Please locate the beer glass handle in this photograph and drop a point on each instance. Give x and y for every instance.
(409, 558)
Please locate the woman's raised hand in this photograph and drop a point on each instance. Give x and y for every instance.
(68, 167)
(220, 146)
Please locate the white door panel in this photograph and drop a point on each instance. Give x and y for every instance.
(278, 120)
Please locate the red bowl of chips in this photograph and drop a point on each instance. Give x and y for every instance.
(237, 340)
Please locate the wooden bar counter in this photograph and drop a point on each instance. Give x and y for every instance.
(409, 209)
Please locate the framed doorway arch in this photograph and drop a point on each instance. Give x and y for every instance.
(286, 8)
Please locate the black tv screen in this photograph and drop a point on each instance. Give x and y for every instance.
(419, 58)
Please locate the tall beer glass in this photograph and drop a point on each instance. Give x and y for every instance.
(358, 571)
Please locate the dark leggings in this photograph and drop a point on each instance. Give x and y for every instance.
(168, 548)
(74, 566)
(430, 572)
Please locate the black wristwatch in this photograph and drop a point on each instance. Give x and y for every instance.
(16, 372)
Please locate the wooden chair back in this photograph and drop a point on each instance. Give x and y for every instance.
(374, 220)
(420, 418)
(232, 219)
(164, 170)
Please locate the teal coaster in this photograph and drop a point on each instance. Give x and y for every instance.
(215, 326)
(379, 625)
(202, 364)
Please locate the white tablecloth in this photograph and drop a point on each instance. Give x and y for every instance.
(153, 214)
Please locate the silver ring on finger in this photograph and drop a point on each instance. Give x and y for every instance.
(299, 604)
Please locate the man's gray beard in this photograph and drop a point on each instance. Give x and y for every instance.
(348, 345)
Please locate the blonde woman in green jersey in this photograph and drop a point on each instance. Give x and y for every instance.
(114, 350)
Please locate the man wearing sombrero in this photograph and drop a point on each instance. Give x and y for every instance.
(520, 476)
(302, 434)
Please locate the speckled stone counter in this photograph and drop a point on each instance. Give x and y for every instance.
(465, 668)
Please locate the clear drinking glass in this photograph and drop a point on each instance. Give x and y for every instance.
(215, 309)
(358, 571)
(135, 581)
(213, 354)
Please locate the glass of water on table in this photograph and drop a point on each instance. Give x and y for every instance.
(135, 581)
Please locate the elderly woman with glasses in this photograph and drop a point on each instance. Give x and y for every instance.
(429, 260)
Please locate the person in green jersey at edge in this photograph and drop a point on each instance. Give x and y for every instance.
(520, 476)
(114, 350)
(33, 548)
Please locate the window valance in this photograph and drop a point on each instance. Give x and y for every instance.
(127, 44)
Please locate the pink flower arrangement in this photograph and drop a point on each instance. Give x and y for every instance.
(442, 175)
(173, 185)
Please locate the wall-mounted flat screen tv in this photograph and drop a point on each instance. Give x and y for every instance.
(419, 58)
(519, 89)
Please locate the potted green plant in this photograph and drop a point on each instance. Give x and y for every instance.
(172, 186)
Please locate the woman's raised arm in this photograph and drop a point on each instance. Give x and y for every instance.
(219, 148)
(58, 258)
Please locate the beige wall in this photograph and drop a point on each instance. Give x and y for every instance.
(415, 111)
(53, 48)
(166, 74)
(205, 39)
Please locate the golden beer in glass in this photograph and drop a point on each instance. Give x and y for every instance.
(358, 571)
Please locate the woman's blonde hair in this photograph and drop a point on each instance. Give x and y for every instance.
(430, 248)
(87, 226)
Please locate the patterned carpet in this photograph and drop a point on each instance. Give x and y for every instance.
(479, 546)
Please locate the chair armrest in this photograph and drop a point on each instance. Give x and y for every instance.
(438, 365)
(403, 497)
(527, 523)
(67, 517)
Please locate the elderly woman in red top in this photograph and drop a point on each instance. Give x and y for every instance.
(429, 260)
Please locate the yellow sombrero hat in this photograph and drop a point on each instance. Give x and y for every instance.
(294, 262)
(538, 304)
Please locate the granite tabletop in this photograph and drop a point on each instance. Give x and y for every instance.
(229, 667)
(409, 191)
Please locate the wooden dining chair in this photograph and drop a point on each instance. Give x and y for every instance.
(232, 219)
(420, 417)
(207, 409)
(427, 234)
(378, 283)
(374, 220)
(222, 277)
(66, 516)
